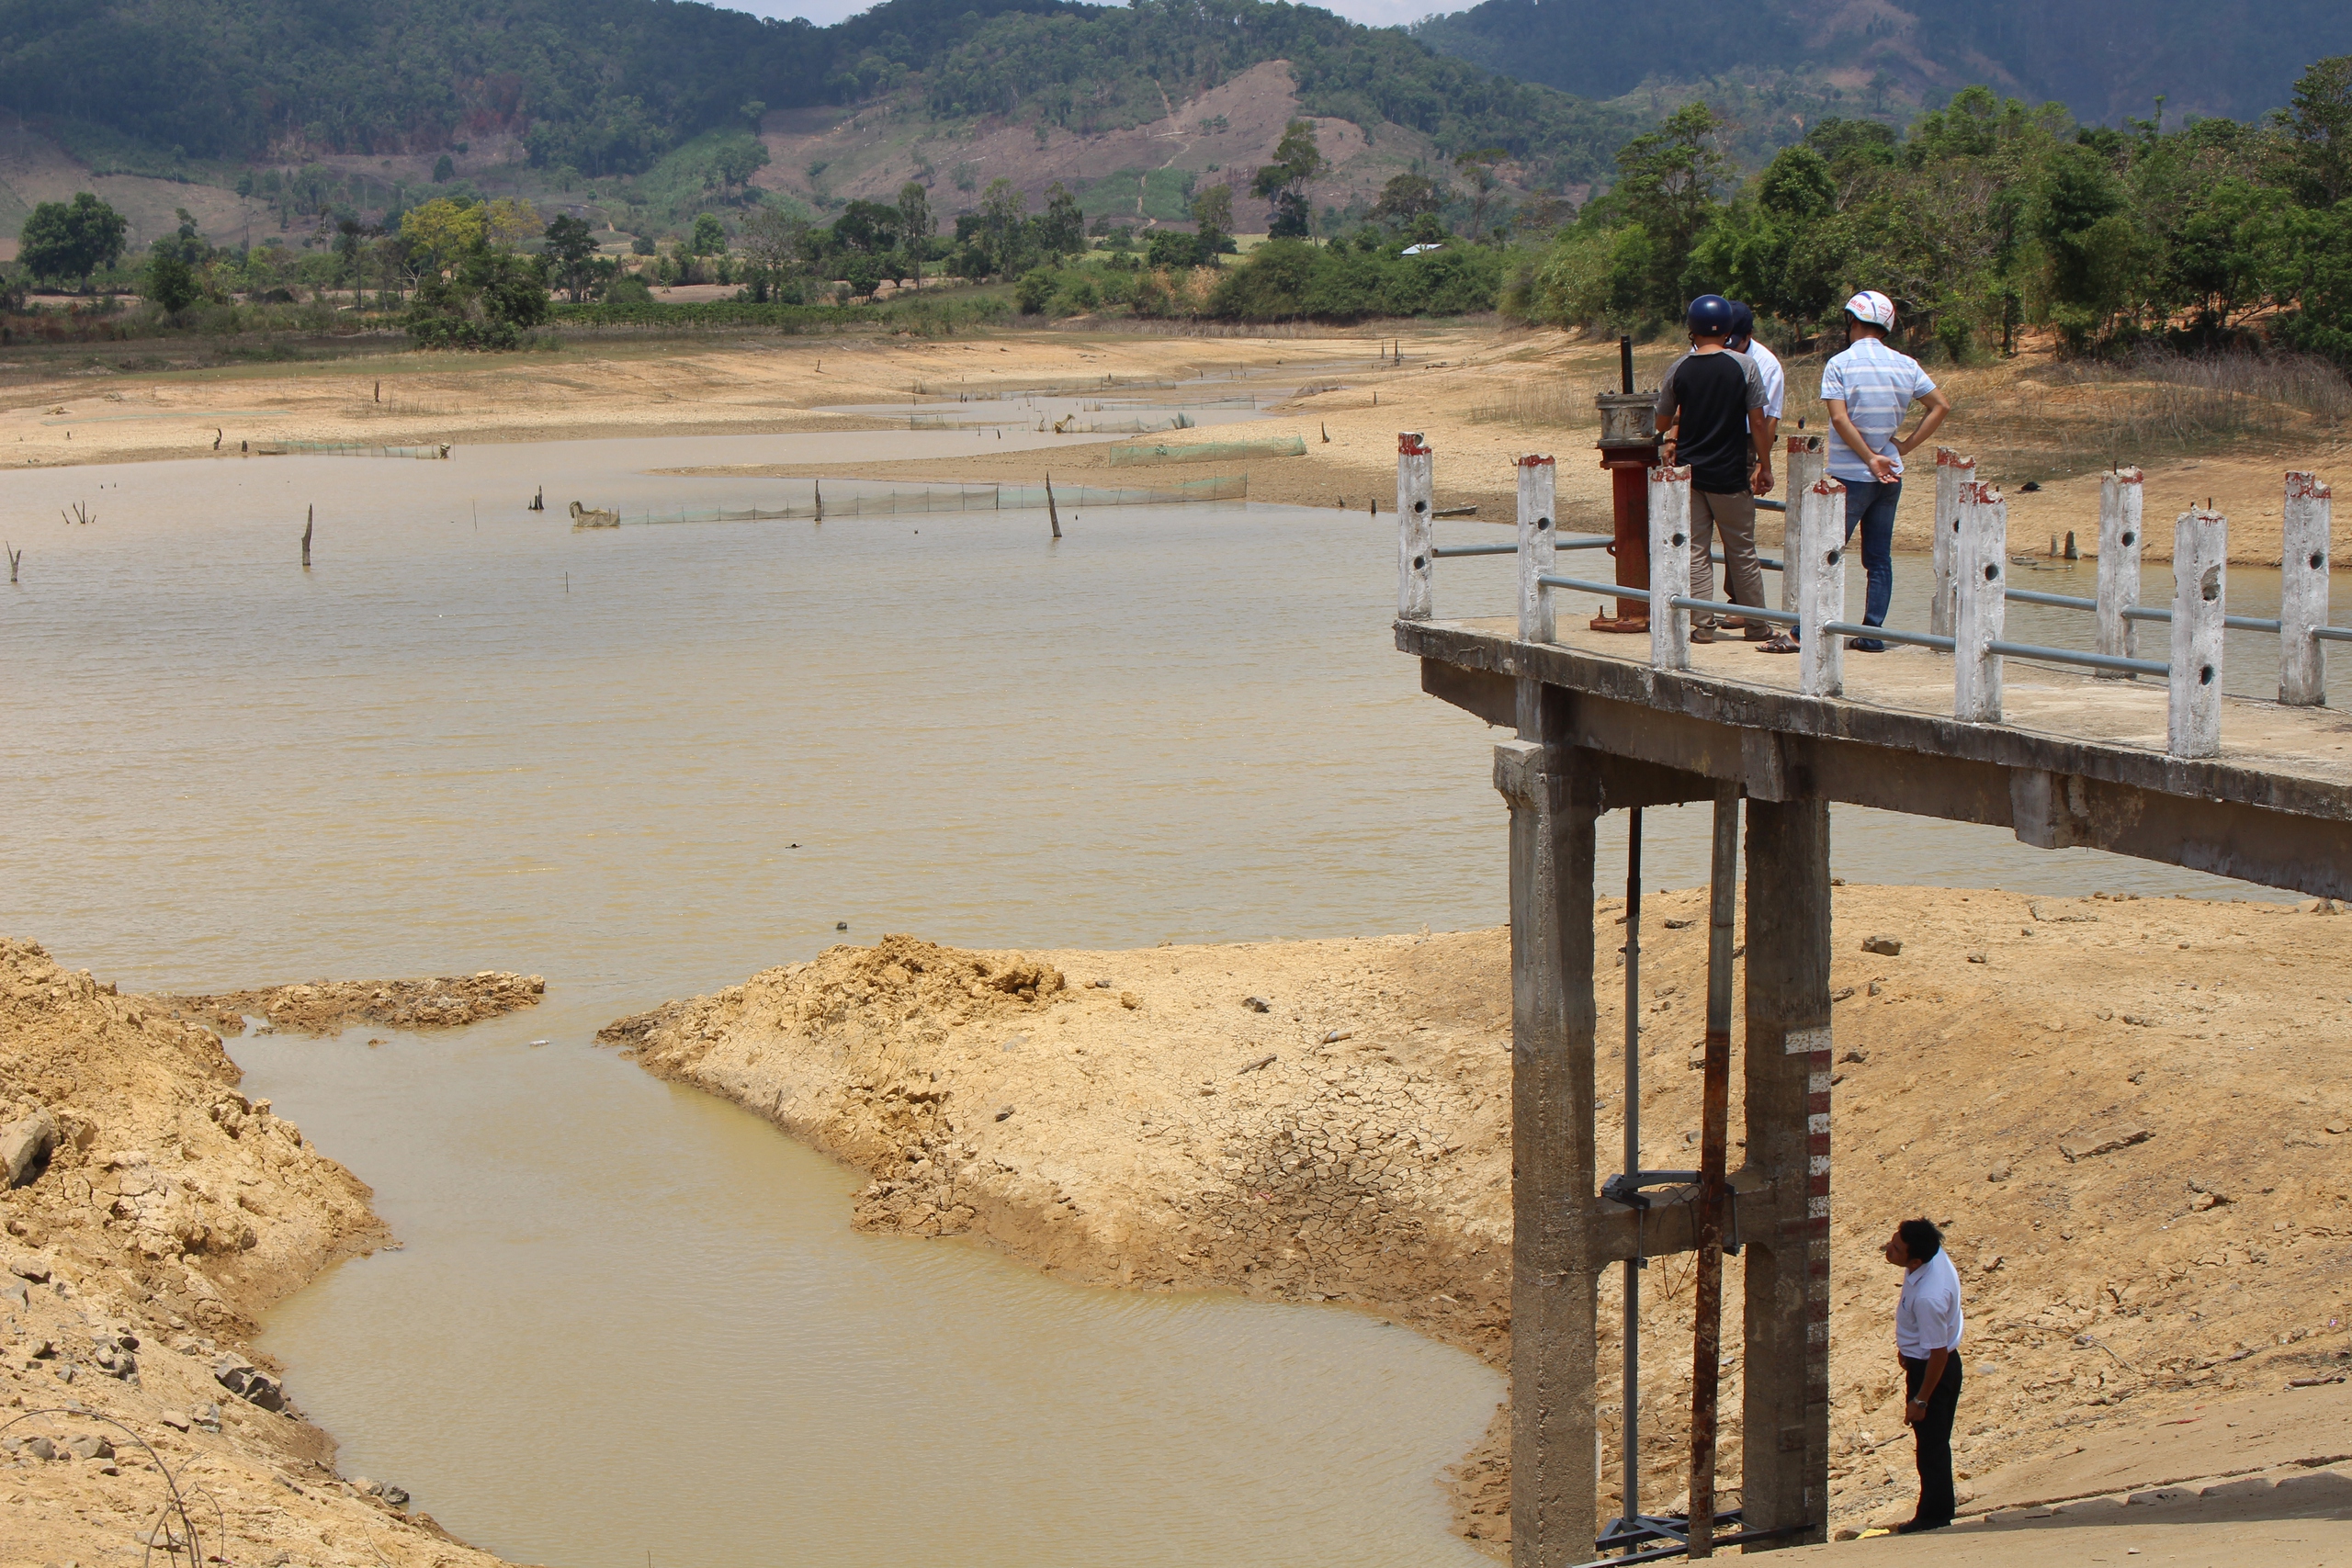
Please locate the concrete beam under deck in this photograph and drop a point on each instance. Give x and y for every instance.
(2080, 762)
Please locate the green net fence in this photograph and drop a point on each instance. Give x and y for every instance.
(1208, 451)
(344, 450)
(948, 498)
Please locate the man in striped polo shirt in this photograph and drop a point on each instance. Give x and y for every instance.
(1869, 388)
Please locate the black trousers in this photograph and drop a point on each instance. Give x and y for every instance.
(1933, 1437)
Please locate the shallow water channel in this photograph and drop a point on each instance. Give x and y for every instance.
(646, 761)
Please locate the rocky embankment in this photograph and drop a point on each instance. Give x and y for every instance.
(2114, 1106)
(150, 1213)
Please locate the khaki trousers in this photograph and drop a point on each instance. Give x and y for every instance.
(1735, 516)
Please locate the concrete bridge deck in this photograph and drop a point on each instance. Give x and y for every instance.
(2076, 759)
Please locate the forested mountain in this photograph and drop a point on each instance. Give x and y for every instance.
(609, 86)
(2104, 59)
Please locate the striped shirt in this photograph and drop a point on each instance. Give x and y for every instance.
(1877, 385)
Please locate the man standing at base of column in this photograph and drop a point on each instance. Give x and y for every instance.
(1927, 1326)
(1703, 408)
(1868, 387)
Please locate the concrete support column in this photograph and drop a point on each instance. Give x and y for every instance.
(1554, 1273)
(1785, 1444)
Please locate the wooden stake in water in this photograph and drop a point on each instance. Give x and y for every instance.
(1053, 513)
(15, 556)
(310, 520)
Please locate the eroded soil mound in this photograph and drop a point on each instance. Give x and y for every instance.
(322, 1006)
(159, 1212)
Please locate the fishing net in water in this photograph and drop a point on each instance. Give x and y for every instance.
(960, 498)
(342, 449)
(1208, 451)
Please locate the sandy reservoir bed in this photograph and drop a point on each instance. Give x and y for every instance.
(2111, 1104)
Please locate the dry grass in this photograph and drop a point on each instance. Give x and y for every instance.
(2058, 418)
(1564, 400)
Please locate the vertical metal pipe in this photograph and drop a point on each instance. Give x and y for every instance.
(1629, 1506)
(1625, 360)
(1714, 1134)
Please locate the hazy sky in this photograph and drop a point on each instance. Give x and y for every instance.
(1378, 13)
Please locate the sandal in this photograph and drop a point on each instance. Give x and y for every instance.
(1779, 642)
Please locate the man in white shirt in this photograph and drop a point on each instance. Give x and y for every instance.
(1927, 1326)
(1768, 367)
(1868, 387)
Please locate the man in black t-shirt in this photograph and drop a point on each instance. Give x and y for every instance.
(1703, 412)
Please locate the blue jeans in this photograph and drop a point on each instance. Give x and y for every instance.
(1870, 505)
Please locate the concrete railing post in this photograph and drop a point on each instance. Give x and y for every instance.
(2303, 590)
(1538, 479)
(1416, 565)
(1808, 463)
(1669, 567)
(2120, 494)
(2200, 554)
(1952, 471)
(1820, 568)
(1981, 568)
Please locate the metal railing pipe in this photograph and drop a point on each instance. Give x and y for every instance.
(1749, 611)
(2235, 622)
(1767, 562)
(1890, 633)
(1447, 552)
(2035, 596)
(1584, 585)
(2333, 634)
(2076, 656)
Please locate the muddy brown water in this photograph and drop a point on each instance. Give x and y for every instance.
(646, 761)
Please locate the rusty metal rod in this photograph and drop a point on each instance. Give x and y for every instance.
(1706, 1352)
(1629, 1505)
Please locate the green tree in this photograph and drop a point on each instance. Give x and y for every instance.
(1213, 220)
(1004, 210)
(915, 225)
(1407, 197)
(2317, 130)
(1669, 182)
(75, 239)
(772, 242)
(444, 171)
(1297, 159)
(708, 239)
(170, 282)
(572, 256)
(2093, 246)
(1061, 228)
(1478, 168)
(486, 302)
